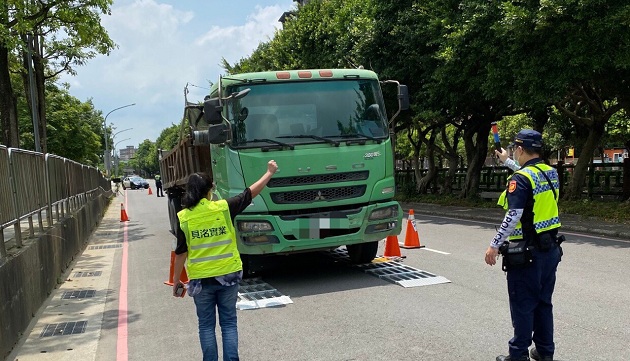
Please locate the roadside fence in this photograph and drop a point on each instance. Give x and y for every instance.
(603, 179)
(36, 186)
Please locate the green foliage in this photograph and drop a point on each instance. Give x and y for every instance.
(63, 34)
(146, 159)
(525, 64)
(168, 139)
(617, 212)
(618, 130)
(74, 128)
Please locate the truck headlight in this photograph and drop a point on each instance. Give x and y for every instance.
(387, 190)
(250, 226)
(382, 213)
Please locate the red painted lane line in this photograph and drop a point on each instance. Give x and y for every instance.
(122, 352)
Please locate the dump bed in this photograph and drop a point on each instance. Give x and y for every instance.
(182, 161)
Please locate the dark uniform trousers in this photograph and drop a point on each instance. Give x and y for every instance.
(530, 290)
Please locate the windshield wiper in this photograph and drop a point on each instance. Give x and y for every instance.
(334, 142)
(245, 80)
(357, 135)
(272, 141)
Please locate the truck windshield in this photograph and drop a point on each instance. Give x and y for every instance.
(308, 112)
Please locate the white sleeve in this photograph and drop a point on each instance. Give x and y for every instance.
(510, 163)
(512, 217)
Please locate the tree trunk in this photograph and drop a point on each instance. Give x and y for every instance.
(574, 190)
(452, 156)
(417, 167)
(424, 182)
(449, 178)
(8, 103)
(476, 144)
(40, 90)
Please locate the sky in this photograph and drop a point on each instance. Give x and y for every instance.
(161, 46)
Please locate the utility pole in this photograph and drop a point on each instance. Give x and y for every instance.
(107, 161)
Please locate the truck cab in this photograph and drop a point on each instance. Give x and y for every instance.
(329, 134)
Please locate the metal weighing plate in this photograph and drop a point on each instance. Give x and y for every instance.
(255, 293)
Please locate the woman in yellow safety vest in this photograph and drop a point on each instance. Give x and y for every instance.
(207, 241)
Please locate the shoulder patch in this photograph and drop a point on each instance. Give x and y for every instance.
(512, 186)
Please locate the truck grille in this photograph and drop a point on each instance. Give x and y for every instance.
(318, 179)
(318, 195)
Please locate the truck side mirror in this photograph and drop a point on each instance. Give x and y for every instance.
(403, 97)
(215, 134)
(212, 111)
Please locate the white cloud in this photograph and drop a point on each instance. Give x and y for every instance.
(161, 48)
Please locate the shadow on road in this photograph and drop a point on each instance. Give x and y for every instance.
(308, 274)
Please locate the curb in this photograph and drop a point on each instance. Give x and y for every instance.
(588, 226)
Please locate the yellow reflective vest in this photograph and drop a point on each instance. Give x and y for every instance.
(545, 199)
(211, 240)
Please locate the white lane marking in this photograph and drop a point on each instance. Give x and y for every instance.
(434, 250)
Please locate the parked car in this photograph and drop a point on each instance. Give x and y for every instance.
(135, 183)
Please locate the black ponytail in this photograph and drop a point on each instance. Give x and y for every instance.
(197, 188)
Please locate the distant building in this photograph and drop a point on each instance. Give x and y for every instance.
(288, 14)
(615, 155)
(127, 153)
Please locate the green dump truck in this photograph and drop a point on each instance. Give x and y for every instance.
(328, 132)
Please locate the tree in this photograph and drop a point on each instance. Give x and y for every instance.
(575, 55)
(146, 158)
(60, 34)
(75, 127)
(168, 139)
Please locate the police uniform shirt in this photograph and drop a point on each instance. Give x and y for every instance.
(518, 192)
(517, 198)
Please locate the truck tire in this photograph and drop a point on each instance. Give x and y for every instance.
(174, 206)
(362, 252)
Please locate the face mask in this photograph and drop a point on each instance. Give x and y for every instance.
(518, 164)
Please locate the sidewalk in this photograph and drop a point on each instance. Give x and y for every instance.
(570, 222)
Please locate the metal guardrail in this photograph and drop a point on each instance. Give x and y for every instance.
(42, 186)
(602, 179)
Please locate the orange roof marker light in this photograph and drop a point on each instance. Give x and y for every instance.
(283, 75)
(304, 74)
(325, 73)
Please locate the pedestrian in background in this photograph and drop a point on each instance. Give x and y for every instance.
(533, 252)
(158, 186)
(206, 239)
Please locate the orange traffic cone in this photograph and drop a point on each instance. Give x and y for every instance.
(411, 236)
(182, 278)
(392, 248)
(150, 191)
(123, 213)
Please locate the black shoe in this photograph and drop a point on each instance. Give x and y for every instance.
(509, 358)
(533, 353)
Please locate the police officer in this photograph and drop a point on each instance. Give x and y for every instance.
(531, 219)
(158, 186)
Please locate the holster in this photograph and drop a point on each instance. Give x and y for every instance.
(516, 255)
(545, 241)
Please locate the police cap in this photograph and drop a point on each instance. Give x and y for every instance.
(528, 138)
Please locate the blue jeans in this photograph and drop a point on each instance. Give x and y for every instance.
(530, 290)
(223, 299)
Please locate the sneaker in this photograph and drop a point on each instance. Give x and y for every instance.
(535, 356)
(509, 358)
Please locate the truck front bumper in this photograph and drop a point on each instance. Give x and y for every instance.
(268, 234)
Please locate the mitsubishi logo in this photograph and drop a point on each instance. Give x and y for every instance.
(319, 196)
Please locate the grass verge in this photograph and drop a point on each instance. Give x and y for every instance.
(617, 212)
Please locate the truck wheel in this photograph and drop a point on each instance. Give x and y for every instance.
(174, 206)
(246, 259)
(362, 252)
